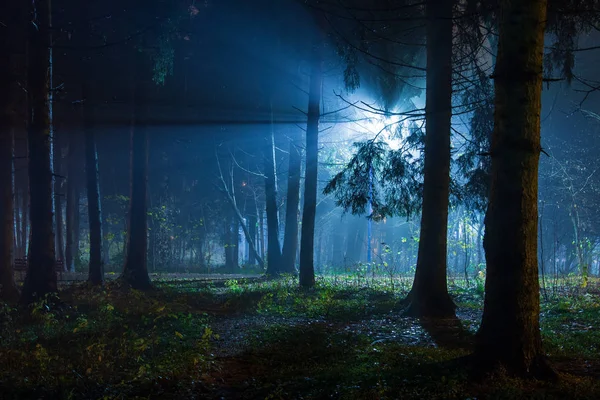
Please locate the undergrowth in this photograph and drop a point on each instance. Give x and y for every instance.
(102, 343)
(345, 338)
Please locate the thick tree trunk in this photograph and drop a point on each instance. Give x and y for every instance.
(135, 272)
(307, 243)
(510, 330)
(290, 239)
(96, 266)
(41, 276)
(273, 246)
(429, 295)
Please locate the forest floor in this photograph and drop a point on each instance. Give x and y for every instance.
(245, 338)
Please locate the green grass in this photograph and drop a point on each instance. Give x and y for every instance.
(255, 338)
(571, 326)
(102, 344)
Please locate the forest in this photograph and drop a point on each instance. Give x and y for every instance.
(299, 199)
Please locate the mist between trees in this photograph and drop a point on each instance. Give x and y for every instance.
(431, 149)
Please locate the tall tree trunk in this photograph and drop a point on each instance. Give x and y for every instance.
(429, 294)
(510, 332)
(8, 288)
(96, 266)
(15, 18)
(290, 239)
(41, 276)
(307, 243)
(273, 247)
(135, 272)
(58, 201)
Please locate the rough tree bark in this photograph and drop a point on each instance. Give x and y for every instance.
(41, 277)
(96, 265)
(510, 330)
(307, 240)
(273, 246)
(429, 294)
(290, 238)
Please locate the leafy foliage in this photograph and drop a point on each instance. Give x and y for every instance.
(384, 179)
(567, 21)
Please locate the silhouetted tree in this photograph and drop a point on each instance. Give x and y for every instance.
(135, 271)
(510, 331)
(307, 241)
(41, 276)
(96, 266)
(273, 246)
(290, 239)
(9, 90)
(8, 288)
(429, 295)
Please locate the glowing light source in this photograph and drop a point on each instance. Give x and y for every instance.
(385, 129)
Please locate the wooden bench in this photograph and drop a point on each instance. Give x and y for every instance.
(21, 264)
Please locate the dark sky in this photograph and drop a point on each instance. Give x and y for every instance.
(235, 59)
